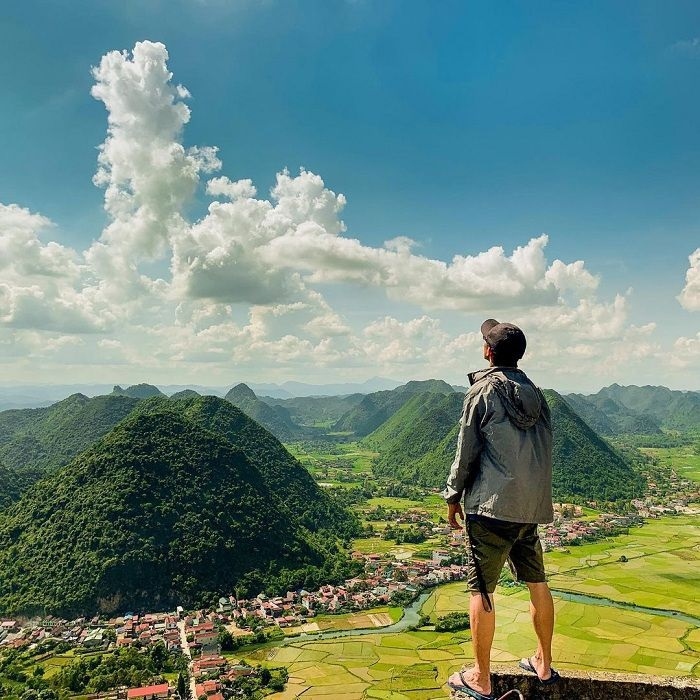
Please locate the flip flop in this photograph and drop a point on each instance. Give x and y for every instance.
(468, 690)
(526, 665)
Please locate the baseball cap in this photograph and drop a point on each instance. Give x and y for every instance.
(505, 339)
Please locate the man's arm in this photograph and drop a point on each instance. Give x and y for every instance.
(469, 445)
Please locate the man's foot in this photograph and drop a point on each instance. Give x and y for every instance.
(534, 664)
(470, 683)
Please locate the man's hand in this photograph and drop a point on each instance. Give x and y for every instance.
(454, 510)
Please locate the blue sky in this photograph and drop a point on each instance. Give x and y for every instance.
(461, 126)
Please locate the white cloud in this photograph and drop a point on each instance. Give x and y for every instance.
(242, 285)
(690, 295)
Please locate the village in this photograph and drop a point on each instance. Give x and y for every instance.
(209, 637)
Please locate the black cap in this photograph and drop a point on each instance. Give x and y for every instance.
(505, 339)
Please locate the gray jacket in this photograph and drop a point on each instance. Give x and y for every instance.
(503, 466)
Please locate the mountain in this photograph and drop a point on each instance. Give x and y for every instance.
(275, 418)
(291, 389)
(376, 408)
(34, 441)
(584, 464)
(185, 394)
(284, 474)
(672, 410)
(418, 445)
(9, 486)
(163, 511)
(315, 411)
(138, 391)
(609, 417)
(414, 431)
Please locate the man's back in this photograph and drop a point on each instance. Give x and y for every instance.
(514, 475)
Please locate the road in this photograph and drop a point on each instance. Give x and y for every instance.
(186, 651)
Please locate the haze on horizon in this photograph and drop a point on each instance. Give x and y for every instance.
(327, 192)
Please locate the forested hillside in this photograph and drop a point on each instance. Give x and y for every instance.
(273, 418)
(138, 391)
(36, 441)
(283, 474)
(412, 433)
(316, 410)
(379, 406)
(161, 511)
(9, 486)
(643, 409)
(585, 466)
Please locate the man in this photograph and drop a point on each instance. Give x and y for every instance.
(503, 474)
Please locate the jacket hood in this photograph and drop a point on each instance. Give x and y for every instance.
(521, 398)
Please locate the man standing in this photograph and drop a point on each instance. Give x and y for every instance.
(503, 474)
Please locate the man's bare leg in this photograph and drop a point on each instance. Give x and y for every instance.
(542, 612)
(483, 626)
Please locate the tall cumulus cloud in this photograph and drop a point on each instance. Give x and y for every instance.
(242, 283)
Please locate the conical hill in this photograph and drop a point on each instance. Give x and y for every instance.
(161, 511)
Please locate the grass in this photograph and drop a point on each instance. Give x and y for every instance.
(414, 665)
(685, 460)
(661, 571)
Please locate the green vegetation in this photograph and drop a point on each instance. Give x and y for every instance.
(640, 409)
(452, 622)
(276, 419)
(36, 441)
(164, 511)
(413, 432)
(9, 486)
(316, 411)
(660, 570)
(685, 460)
(138, 391)
(585, 466)
(379, 406)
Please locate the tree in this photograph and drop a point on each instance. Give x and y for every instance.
(183, 689)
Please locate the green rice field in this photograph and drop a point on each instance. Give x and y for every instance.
(662, 568)
(685, 460)
(415, 665)
(661, 572)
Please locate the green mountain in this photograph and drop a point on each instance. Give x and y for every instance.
(9, 486)
(609, 417)
(672, 410)
(185, 394)
(312, 411)
(276, 419)
(161, 511)
(138, 391)
(376, 408)
(414, 431)
(34, 441)
(584, 464)
(283, 473)
(418, 445)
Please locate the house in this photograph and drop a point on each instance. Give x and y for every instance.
(149, 692)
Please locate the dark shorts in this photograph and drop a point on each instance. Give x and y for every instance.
(491, 542)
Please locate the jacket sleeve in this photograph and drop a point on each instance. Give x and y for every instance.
(469, 444)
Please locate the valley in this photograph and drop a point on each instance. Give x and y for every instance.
(367, 560)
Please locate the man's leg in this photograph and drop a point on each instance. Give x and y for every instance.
(483, 626)
(542, 612)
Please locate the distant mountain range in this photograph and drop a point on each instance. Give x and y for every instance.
(619, 409)
(180, 502)
(417, 444)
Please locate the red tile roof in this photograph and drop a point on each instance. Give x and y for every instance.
(147, 690)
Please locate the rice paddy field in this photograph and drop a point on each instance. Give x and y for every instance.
(661, 572)
(415, 665)
(662, 568)
(685, 460)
